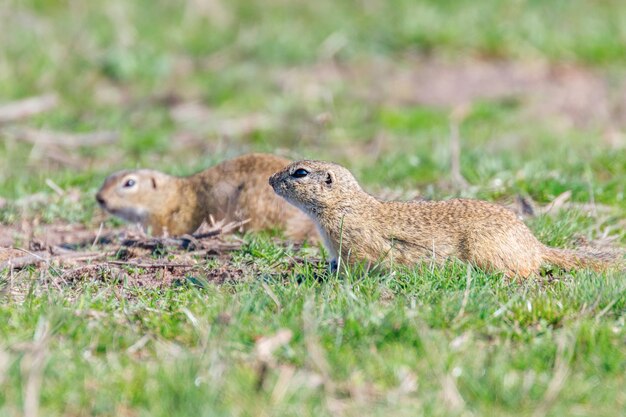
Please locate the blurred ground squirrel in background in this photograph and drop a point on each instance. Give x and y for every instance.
(233, 190)
(357, 227)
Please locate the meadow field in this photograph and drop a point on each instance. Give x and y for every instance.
(532, 95)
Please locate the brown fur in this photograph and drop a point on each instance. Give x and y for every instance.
(357, 227)
(233, 190)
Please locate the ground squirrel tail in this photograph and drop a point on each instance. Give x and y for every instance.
(570, 259)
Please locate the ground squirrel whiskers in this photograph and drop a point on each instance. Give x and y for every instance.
(233, 190)
(357, 227)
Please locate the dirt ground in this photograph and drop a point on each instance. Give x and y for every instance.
(79, 253)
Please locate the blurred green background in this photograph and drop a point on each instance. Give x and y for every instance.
(370, 84)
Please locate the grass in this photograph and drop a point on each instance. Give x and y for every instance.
(263, 76)
(377, 344)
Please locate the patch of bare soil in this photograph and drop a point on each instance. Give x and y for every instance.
(75, 254)
(34, 236)
(572, 95)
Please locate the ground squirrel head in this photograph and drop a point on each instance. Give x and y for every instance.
(314, 186)
(133, 194)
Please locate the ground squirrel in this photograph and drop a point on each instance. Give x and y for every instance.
(358, 227)
(233, 190)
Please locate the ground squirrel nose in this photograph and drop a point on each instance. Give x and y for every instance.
(100, 199)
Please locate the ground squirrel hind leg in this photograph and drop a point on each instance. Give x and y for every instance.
(503, 254)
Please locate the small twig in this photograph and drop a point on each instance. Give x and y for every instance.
(271, 294)
(27, 107)
(558, 202)
(456, 118)
(81, 256)
(64, 139)
(264, 352)
(184, 240)
(225, 229)
(54, 187)
(145, 265)
(97, 235)
(139, 344)
(34, 258)
(59, 156)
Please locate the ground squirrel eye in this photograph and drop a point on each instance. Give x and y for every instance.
(299, 173)
(129, 183)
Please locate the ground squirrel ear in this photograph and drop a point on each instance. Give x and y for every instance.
(154, 185)
(330, 178)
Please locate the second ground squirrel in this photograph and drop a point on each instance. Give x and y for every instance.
(358, 227)
(233, 190)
